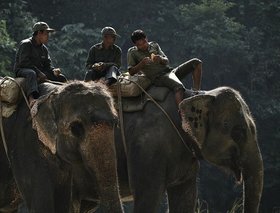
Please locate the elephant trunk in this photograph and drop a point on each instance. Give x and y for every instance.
(98, 153)
(253, 179)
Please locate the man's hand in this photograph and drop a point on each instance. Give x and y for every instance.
(140, 65)
(98, 66)
(41, 77)
(146, 61)
(156, 58)
(56, 71)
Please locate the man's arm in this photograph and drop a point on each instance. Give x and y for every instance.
(24, 57)
(48, 62)
(160, 58)
(24, 54)
(134, 66)
(90, 58)
(135, 69)
(117, 60)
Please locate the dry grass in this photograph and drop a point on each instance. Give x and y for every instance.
(202, 207)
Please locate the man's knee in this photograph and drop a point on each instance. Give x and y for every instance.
(113, 70)
(26, 73)
(195, 62)
(61, 78)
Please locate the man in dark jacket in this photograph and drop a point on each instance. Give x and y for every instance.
(104, 59)
(33, 61)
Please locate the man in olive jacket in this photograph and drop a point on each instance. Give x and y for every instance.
(148, 58)
(33, 61)
(104, 58)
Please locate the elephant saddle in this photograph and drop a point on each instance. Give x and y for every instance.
(130, 86)
(135, 91)
(10, 94)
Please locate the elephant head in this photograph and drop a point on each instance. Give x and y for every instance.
(76, 122)
(223, 126)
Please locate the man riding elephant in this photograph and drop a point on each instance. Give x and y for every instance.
(104, 58)
(33, 61)
(150, 59)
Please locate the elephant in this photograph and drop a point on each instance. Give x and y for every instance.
(74, 132)
(224, 128)
(160, 160)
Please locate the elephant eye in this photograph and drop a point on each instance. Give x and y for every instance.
(238, 134)
(77, 129)
(226, 124)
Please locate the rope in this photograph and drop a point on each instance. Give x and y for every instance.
(121, 115)
(164, 112)
(2, 132)
(1, 117)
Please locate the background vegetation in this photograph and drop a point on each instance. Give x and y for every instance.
(238, 41)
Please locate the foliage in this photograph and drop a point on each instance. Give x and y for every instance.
(238, 41)
(69, 48)
(19, 20)
(6, 49)
(13, 22)
(206, 32)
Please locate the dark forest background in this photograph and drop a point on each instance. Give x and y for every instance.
(238, 42)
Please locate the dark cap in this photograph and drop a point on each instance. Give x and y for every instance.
(109, 31)
(42, 26)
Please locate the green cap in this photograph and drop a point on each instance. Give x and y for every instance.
(109, 31)
(42, 26)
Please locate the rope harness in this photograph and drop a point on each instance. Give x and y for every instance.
(27, 103)
(155, 102)
(1, 117)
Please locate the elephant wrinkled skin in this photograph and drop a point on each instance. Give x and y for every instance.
(225, 130)
(75, 122)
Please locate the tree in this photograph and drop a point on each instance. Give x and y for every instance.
(7, 46)
(69, 48)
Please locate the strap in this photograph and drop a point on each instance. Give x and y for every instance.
(165, 113)
(121, 113)
(1, 117)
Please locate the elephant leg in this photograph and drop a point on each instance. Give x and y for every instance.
(33, 178)
(37, 195)
(62, 195)
(147, 199)
(182, 198)
(148, 187)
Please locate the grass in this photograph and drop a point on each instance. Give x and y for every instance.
(202, 207)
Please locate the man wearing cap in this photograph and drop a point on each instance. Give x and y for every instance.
(33, 61)
(147, 57)
(104, 58)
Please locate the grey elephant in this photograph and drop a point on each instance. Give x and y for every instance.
(74, 131)
(158, 156)
(163, 158)
(225, 130)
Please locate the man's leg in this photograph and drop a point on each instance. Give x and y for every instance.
(196, 75)
(88, 76)
(111, 75)
(179, 95)
(52, 77)
(61, 78)
(171, 81)
(193, 66)
(31, 84)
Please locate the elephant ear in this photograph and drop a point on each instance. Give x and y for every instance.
(44, 121)
(194, 113)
